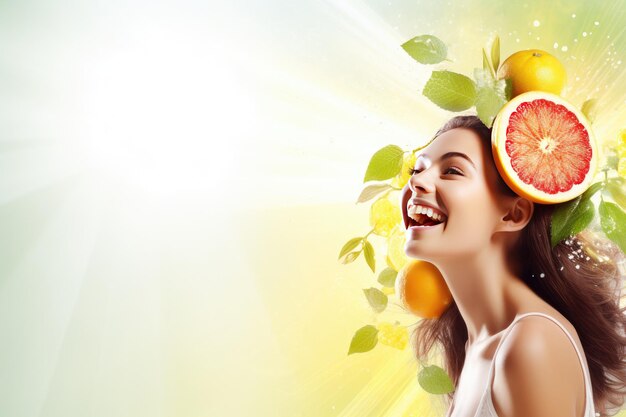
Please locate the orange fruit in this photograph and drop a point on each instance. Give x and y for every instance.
(422, 289)
(533, 70)
(544, 148)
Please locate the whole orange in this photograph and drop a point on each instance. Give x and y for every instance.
(422, 289)
(533, 70)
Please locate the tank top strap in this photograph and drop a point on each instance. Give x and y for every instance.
(588, 390)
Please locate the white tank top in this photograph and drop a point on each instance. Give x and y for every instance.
(485, 405)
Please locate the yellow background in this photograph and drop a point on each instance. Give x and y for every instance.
(177, 178)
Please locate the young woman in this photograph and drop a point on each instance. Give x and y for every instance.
(532, 331)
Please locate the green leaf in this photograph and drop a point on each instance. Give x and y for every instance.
(384, 164)
(591, 190)
(351, 257)
(368, 251)
(613, 222)
(484, 78)
(617, 188)
(486, 65)
(377, 299)
(495, 54)
(434, 380)
(351, 244)
(426, 49)
(488, 104)
(589, 109)
(364, 339)
(569, 218)
(508, 89)
(490, 96)
(372, 191)
(387, 277)
(450, 91)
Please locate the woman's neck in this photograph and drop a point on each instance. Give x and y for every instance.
(487, 293)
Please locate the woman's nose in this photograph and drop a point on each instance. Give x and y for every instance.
(421, 182)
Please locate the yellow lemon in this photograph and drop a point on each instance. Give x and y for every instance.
(533, 70)
(385, 214)
(396, 258)
(408, 162)
(393, 335)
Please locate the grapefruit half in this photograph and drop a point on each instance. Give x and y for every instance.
(544, 148)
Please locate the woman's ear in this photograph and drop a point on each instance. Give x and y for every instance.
(519, 214)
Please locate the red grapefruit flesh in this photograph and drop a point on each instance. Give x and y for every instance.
(544, 148)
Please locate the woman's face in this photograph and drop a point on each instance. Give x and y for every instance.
(454, 175)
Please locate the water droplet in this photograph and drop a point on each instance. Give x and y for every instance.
(517, 40)
(575, 40)
(596, 23)
(536, 23)
(556, 45)
(538, 38)
(561, 268)
(577, 266)
(564, 48)
(542, 275)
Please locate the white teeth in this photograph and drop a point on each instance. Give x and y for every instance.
(414, 211)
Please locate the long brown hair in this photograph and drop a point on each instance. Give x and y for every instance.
(584, 289)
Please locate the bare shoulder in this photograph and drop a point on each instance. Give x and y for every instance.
(538, 372)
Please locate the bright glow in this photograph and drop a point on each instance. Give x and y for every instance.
(162, 114)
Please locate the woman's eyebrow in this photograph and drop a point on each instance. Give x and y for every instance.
(450, 155)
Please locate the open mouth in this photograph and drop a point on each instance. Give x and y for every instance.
(423, 220)
(423, 217)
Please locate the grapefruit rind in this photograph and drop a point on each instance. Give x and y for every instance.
(504, 162)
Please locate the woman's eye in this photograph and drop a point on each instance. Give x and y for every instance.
(455, 171)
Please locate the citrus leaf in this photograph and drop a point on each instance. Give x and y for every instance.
(351, 257)
(484, 78)
(591, 191)
(508, 89)
(613, 222)
(486, 65)
(351, 244)
(589, 109)
(426, 49)
(434, 380)
(569, 218)
(495, 54)
(368, 251)
(372, 191)
(617, 188)
(488, 104)
(364, 339)
(387, 277)
(384, 164)
(450, 90)
(376, 298)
